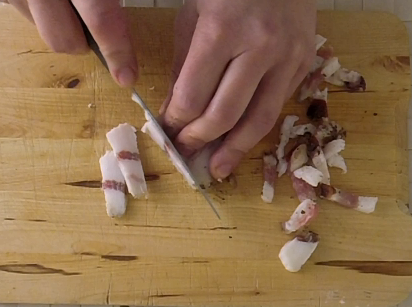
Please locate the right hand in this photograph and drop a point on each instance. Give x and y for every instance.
(59, 27)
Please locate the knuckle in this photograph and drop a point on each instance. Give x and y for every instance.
(197, 139)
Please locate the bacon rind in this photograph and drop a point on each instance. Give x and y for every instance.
(303, 189)
(304, 213)
(360, 203)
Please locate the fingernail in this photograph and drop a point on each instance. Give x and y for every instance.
(224, 170)
(126, 76)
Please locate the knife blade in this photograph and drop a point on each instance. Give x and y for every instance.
(95, 48)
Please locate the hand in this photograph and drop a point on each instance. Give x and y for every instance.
(235, 64)
(61, 30)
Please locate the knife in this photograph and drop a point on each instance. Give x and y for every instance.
(95, 48)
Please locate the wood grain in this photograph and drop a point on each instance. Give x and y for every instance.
(57, 244)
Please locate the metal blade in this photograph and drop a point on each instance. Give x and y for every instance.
(141, 103)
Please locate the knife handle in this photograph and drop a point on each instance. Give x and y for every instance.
(89, 38)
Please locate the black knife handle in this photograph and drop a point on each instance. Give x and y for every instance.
(89, 38)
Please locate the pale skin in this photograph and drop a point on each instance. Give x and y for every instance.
(235, 63)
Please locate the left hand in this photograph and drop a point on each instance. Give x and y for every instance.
(235, 64)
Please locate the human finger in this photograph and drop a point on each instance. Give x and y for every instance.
(108, 24)
(58, 25)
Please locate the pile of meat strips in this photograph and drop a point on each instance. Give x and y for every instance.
(305, 153)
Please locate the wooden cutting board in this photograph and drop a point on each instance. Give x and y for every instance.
(57, 244)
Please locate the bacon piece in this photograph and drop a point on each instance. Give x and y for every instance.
(303, 214)
(334, 147)
(319, 162)
(346, 199)
(269, 176)
(285, 132)
(338, 162)
(124, 143)
(330, 66)
(329, 131)
(299, 157)
(352, 80)
(152, 130)
(311, 84)
(303, 189)
(199, 163)
(295, 253)
(309, 174)
(113, 185)
(302, 129)
(317, 63)
(319, 41)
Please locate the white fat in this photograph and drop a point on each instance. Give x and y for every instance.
(322, 95)
(270, 160)
(366, 204)
(282, 167)
(338, 162)
(303, 213)
(320, 41)
(335, 79)
(334, 147)
(123, 138)
(317, 63)
(269, 175)
(302, 129)
(199, 163)
(285, 132)
(330, 66)
(115, 200)
(343, 75)
(295, 253)
(349, 75)
(319, 161)
(309, 174)
(115, 203)
(150, 128)
(299, 157)
(268, 192)
(110, 167)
